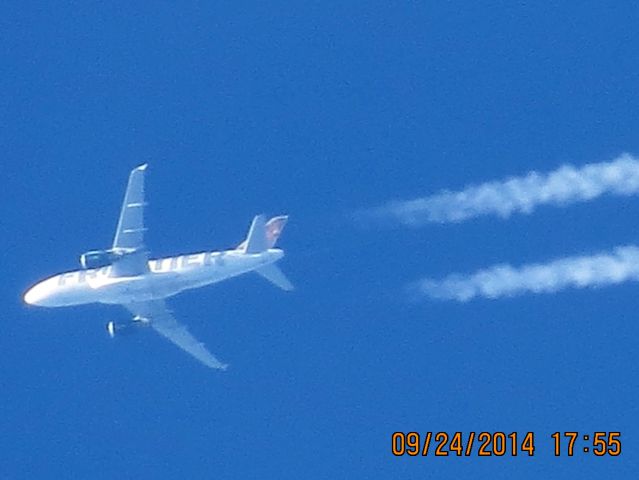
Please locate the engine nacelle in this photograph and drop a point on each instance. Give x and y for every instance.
(98, 258)
(127, 327)
(111, 328)
(114, 328)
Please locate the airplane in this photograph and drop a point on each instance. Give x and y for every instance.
(124, 274)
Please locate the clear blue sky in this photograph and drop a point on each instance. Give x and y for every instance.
(315, 110)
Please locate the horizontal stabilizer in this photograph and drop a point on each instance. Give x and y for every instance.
(274, 275)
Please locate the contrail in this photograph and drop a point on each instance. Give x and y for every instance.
(563, 186)
(604, 268)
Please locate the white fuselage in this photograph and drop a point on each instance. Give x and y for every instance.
(166, 277)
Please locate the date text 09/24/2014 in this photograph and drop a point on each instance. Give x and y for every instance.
(499, 444)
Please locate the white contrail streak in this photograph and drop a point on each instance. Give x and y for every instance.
(605, 268)
(563, 186)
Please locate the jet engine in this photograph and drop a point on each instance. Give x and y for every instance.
(114, 328)
(127, 327)
(98, 258)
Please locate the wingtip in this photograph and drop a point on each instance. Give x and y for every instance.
(142, 167)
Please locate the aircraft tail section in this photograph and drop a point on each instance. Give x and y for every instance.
(262, 234)
(256, 238)
(274, 275)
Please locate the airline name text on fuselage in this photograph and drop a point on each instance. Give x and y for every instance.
(158, 265)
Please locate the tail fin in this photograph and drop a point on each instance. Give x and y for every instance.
(256, 238)
(274, 228)
(263, 235)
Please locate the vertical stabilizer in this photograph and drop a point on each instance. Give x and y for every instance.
(256, 240)
(263, 235)
(274, 229)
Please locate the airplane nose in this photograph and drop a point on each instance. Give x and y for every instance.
(34, 295)
(30, 297)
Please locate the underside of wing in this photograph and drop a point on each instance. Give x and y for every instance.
(163, 322)
(129, 235)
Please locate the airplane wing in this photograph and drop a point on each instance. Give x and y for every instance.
(129, 235)
(163, 322)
